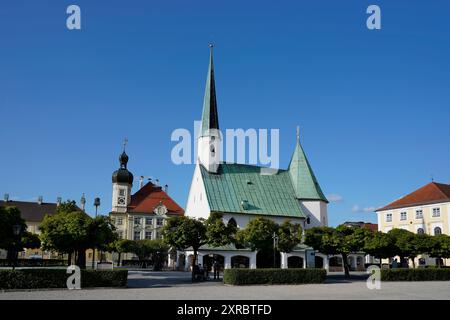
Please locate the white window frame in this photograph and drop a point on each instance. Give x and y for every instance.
(151, 221)
(134, 235)
(119, 221)
(151, 235)
(388, 217)
(137, 219)
(403, 214)
(157, 222)
(438, 210)
(421, 213)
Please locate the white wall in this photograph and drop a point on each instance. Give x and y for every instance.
(197, 204)
(243, 219)
(317, 211)
(116, 187)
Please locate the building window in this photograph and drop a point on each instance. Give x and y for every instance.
(137, 221)
(148, 221)
(119, 221)
(389, 217)
(158, 235)
(420, 231)
(436, 212)
(120, 234)
(122, 192)
(137, 235)
(148, 235)
(159, 222)
(403, 216)
(437, 231)
(419, 214)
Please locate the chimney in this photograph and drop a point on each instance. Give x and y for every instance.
(166, 188)
(157, 182)
(83, 202)
(58, 201)
(40, 200)
(141, 182)
(6, 197)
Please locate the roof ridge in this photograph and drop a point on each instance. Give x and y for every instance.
(436, 185)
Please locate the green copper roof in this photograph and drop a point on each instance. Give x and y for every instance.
(272, 195)
(210, 118)
(303, 178)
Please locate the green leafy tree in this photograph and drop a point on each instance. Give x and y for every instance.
(185, 232)
(342, 240)
(10, 217)
(30, 241)
(123, 246)
(217, 232)
(380, 245)
(258, 234)
(440, 247)
(102, 233)
(289, 235)
(405, 243)
(67, 232)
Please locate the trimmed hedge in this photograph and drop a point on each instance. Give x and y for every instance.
(57, 278)
(430, 274)
(273, 276)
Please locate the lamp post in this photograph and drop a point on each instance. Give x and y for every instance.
(96, 205)
(275, 243)
(17, 229)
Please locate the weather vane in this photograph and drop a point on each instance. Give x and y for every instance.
(125, 142)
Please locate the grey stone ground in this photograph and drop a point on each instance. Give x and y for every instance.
(177, 285)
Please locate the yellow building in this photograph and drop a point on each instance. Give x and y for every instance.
(425, 210)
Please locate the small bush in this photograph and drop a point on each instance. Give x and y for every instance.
(273, 276)
(429, 274)
(57, 278)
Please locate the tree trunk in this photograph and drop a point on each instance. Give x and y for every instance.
(118, 259)
(69, 259)
(345, 263)
(194, 263)
(413, 263)
(81, 259)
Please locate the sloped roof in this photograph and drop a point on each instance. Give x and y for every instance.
(303, 179)
(428, 194)
(146, 199)
(272, 195)
(210, 118)
(31, 211)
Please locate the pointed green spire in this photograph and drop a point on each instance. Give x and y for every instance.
(210, 118)
(302, 176)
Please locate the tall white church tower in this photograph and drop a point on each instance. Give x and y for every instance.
(122, 182)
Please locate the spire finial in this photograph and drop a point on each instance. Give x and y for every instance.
(125, 142)
(298, 133)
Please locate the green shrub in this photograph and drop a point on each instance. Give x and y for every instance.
(429, 274)
(57, 278)
(273, 276)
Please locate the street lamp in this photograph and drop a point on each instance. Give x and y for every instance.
(96, 205)
(17, 229)
(275, 244)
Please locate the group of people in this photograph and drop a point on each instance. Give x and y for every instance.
(202, 273)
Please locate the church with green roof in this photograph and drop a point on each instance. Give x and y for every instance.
(241, 192)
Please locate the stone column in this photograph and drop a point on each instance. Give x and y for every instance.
(252, 262)
(284, 262)
(227, 261)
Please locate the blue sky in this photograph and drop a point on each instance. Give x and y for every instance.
(373, 106)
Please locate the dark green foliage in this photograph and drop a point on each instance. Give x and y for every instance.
(57, 278)
(273, 276)
(428, 274)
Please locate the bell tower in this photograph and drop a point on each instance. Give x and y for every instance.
(122, 182)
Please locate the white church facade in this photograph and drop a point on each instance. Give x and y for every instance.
(241, 192)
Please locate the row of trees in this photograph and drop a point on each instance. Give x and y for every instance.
(344, 240)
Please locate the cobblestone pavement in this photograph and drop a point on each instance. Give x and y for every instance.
(177, 285)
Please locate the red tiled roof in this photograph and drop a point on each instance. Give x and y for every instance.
(370, 226)
(431, 193)
(149, 197)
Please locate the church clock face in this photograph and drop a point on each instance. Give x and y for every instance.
(121, 200)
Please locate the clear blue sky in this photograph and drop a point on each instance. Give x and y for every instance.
(373, 106)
